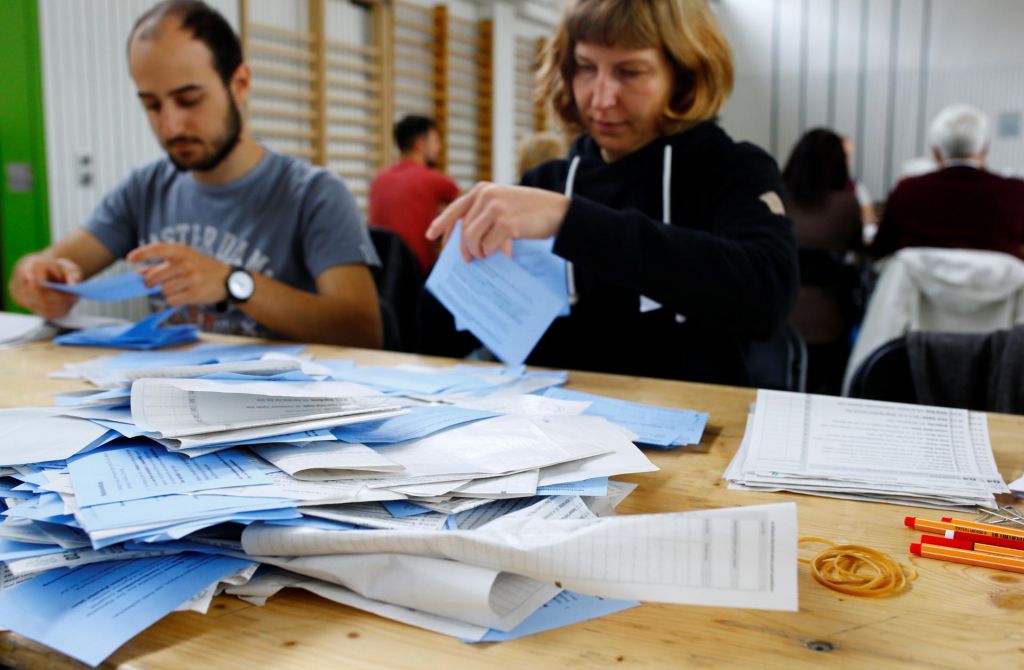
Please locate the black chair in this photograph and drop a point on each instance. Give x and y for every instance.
(778, 363)
(885, 374)
(399, 280)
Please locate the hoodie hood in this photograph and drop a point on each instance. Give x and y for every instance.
(962, 280)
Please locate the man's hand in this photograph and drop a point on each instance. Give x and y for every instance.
(185, 275)
(493, 215)
(28, 291)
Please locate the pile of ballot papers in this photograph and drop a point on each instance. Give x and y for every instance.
(867, 450)
(149, 333)
(470, 500)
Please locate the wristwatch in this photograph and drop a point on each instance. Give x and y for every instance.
(240, 285)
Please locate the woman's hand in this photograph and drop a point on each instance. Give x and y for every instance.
(493, 215)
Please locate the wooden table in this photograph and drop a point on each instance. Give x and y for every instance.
(954, 616)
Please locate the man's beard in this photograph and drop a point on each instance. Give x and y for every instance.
(222, 146)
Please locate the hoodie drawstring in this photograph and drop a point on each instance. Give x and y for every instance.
(646, 304)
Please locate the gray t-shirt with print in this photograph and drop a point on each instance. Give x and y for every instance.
(285, 219)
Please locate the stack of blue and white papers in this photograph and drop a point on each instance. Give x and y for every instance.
(420, 494)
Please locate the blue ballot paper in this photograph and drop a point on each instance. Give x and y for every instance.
(597, 486)
(172, 509)
(201, 354)
(564, 609)
(419, 422)
(537, 258)
(90, 611)
(494, 298)
(12, 550)
(146, 334)
(109, 289)
(144, 469)
(655, 426)
(413, 381)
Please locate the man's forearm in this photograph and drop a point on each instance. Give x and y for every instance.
(309, 317)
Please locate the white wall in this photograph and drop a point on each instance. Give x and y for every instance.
(876, 70)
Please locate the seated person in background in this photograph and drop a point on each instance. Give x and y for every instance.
(406, 196)
(961, 205)
(679, 246)
(868, 216)
(826, 218)
(254, 242)
(537, 149)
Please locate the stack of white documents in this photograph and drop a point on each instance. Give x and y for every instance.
(867, 450)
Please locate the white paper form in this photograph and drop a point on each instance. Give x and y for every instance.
(284, 486)
(524, 405)
(183, 407)
(502, 445)
(258, 590)
(38, 434)
(621, 457)
(518, 485)
(324, 460)
(374, 515)
(983, 452)
(206, 443)
(738, 557)
(459, 591)
(869, 445)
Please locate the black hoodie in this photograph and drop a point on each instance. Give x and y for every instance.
(727, 263)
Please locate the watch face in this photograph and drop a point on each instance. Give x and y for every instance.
(241, 285)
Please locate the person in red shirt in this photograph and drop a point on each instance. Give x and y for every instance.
(405, 197)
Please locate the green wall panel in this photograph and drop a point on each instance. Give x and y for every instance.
(24, 210)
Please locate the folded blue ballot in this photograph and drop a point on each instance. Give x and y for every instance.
(90, 611)
(418, 422)
(201, 354)
(662, 427)
(108, 289)
(146, 334)
(496, 299)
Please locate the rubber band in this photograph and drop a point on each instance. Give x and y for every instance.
(856, 570)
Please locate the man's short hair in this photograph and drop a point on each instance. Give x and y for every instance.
(410, 129)
(204, 23)
(960, 131)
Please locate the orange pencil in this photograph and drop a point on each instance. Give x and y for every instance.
(968, 557)
(972, 545)
(928, 526)
(985, 528)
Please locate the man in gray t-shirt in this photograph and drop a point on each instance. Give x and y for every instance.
(252, 242)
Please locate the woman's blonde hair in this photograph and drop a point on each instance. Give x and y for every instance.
(684, 30)
(539, 148)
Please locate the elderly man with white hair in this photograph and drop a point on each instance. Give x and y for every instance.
(961, 205)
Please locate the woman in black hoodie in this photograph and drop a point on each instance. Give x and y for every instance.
(678, 245)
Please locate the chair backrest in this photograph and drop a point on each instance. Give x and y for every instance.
(955, 290)
(780, 362)
(399, 280)
(885, 374)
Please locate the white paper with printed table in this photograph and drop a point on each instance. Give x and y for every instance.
(739, 557)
